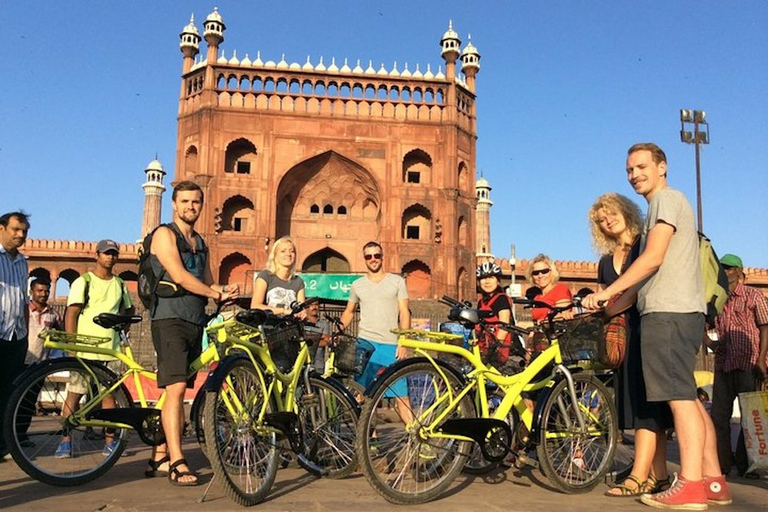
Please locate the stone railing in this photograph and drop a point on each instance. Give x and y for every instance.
(350, 94)
(70, 246)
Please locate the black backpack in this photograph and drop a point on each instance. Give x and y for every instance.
(149, 284)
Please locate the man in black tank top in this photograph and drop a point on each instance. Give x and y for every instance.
(177, 323)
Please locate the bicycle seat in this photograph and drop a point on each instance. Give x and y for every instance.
(111, 321)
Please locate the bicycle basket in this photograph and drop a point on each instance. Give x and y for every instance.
(581, 339)
(352, 354)
(312, 336)
(283, 338)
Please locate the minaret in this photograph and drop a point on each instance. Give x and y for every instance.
(190, 44)
(214, 36)
(470, 63)
(153, 196)
(483, 218)
(450, 44)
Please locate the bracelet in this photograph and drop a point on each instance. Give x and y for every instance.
(224, 289)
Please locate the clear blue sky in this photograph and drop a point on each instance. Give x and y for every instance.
(89, 94)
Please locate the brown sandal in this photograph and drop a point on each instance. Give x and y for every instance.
(626, 491)
(657, 486)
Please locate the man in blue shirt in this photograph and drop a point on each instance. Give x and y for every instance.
(14, 311)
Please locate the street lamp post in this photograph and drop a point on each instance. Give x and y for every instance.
(700, 135)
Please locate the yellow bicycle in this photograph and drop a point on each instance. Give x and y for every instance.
(425, 418)
(263, 397)
(34, 424)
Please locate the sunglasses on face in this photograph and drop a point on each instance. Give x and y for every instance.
(541, 272)
(369, 257)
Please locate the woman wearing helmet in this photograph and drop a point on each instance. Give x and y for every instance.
(495, 343)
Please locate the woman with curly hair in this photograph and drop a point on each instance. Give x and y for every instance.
(615, 222)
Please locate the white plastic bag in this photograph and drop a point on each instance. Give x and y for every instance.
(754, 421)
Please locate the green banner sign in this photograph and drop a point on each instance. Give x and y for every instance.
(328, 286)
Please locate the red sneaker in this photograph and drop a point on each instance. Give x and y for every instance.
(683, 495)
(717, 490)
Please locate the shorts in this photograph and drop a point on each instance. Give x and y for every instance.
(383, 356)
(80, 383)
(177, 343)
(669, 343)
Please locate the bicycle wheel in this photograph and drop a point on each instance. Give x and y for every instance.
(574, 459)
(328, 419)
(242, 452)
(33, 425)
(399, 457)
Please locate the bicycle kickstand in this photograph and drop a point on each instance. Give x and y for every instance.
(207, 488)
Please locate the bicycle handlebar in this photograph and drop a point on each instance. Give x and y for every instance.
(297, 307)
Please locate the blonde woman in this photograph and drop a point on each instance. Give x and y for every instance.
(615, 222)
(278, 286)
(543, 274)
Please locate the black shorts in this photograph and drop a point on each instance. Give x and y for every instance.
(669, 343)
(177, 343)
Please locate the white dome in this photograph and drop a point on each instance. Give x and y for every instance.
(155, 165)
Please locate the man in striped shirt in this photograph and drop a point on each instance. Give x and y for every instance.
(14, 313)
(41, 317)
(740, 359)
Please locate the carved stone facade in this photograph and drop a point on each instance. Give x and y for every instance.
(333, 157)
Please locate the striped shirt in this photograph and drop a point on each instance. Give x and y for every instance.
(738, 329)
(13, 295)
(38, 321)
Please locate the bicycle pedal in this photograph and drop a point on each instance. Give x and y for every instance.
(522, 460)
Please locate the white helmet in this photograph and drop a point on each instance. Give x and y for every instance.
(488, 269)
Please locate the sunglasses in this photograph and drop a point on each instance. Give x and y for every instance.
(369, 257)
(541, 272)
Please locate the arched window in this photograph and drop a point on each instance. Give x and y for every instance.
(341, 210)
(314, 209)
(416, 223)
(328, 209)
(238, 215)
(417, 165)
(240, 156)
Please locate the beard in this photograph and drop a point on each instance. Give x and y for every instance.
(189, 217)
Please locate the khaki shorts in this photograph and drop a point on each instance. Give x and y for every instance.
(80, 382)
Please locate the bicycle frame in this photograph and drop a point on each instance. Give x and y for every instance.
(133, 370)
(513, 385)
(281, 387)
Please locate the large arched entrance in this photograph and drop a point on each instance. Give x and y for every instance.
(325, 260)
(329, 197)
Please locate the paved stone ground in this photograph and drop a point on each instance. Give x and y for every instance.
(124, 489)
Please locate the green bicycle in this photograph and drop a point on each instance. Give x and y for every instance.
(425, 418)
(263, 400)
